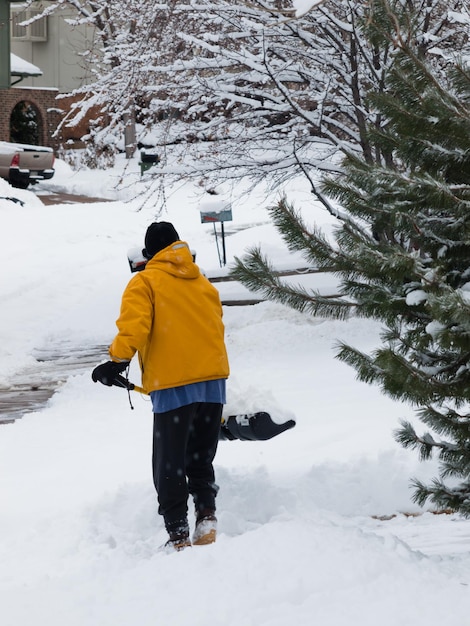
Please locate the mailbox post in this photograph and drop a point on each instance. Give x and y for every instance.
(5, 69)
(213, 213)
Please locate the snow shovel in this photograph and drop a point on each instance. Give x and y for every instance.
(258, 426)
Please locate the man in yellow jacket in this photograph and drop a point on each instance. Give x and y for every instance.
(171, 316)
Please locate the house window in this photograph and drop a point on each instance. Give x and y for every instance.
(36, 31)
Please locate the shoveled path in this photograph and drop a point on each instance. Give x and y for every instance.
(67, 198)
(36, 384)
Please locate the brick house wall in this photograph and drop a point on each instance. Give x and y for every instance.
(44, 101)
(50, 112)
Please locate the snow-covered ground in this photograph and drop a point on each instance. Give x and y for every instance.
(300, 539)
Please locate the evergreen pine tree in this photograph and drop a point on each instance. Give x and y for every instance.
(402, 253)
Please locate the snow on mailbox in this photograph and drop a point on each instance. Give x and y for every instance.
(213, 211)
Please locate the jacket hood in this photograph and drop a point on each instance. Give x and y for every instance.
(176, 259)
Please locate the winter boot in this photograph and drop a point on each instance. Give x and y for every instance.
(178, 538)
(177, 543)
(206, 528)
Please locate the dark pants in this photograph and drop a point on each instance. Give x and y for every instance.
(184, 446)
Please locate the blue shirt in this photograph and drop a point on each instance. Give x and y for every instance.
(165, 400)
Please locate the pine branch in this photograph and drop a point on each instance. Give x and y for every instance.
(258, 275)
(447, 422)
(407, 437)
(456, 499)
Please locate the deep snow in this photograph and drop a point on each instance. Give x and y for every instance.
(299, 541)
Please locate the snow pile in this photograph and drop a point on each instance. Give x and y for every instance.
(312, 524)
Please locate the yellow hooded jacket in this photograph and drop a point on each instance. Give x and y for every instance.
(172, 316)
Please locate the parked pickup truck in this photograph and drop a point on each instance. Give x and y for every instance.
(22, 164)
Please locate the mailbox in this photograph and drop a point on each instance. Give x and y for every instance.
(214, 211)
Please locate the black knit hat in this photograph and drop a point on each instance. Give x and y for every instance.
(159, 235)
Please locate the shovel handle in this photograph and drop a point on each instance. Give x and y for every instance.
(120, 381)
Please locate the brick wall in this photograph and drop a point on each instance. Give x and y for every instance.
(50, 112)
(44, 100)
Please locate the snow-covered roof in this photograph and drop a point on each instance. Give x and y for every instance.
(20, 67)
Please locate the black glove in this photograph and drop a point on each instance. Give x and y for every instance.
(107, 372)
(253, 427)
